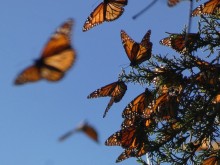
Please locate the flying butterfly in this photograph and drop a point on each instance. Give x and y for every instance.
(115, 90)
(137, 106)
(86, 128)
(57, 57)
(182, 43)
(109, 10)
(211, 7)
(137, 52)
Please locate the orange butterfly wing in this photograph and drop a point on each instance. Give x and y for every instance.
(57, 57)
(137, 106)
(211, 161)
(122, 138)
(31, 74)
(115, 90)
(137, 52)
(180, 42)
(90, 132)
(210, 7)
(109, 10)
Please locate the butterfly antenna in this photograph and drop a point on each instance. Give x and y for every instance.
(145, 9)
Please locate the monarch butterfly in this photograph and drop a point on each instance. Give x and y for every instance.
(137, 105)
(85, 128)
(172, 3)
(165, 106)
(182, 43)
(115, 90)
(213, 160)
(137, 52)
(57, 57)
(211, 7)
(109, 10)
(133, 152)
(133, 139)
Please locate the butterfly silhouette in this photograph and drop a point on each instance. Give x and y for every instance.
(56, 58)
(211, 7)
(86, 128)
(115, 90)
(137, 52)
(108, 10)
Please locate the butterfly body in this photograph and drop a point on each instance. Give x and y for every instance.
(108, 10)
(137, 52)
(57, 57)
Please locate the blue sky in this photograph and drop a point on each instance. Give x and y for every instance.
(33, 116)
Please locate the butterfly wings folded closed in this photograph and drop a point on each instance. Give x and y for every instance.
(115, 90)
(57, 57)
(137, 52)
(109, 10)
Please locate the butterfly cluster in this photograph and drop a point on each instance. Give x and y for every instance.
(150, 108)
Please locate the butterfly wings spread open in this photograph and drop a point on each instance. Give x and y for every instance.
(57, 57)
(109, 10)
(137, 52)
(115, 90)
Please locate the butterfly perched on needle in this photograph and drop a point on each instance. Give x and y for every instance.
(211, 7)
(182, 43)
(56, 58)
(137, 52)
(85, 128)
(115, 90)
(108, 10)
